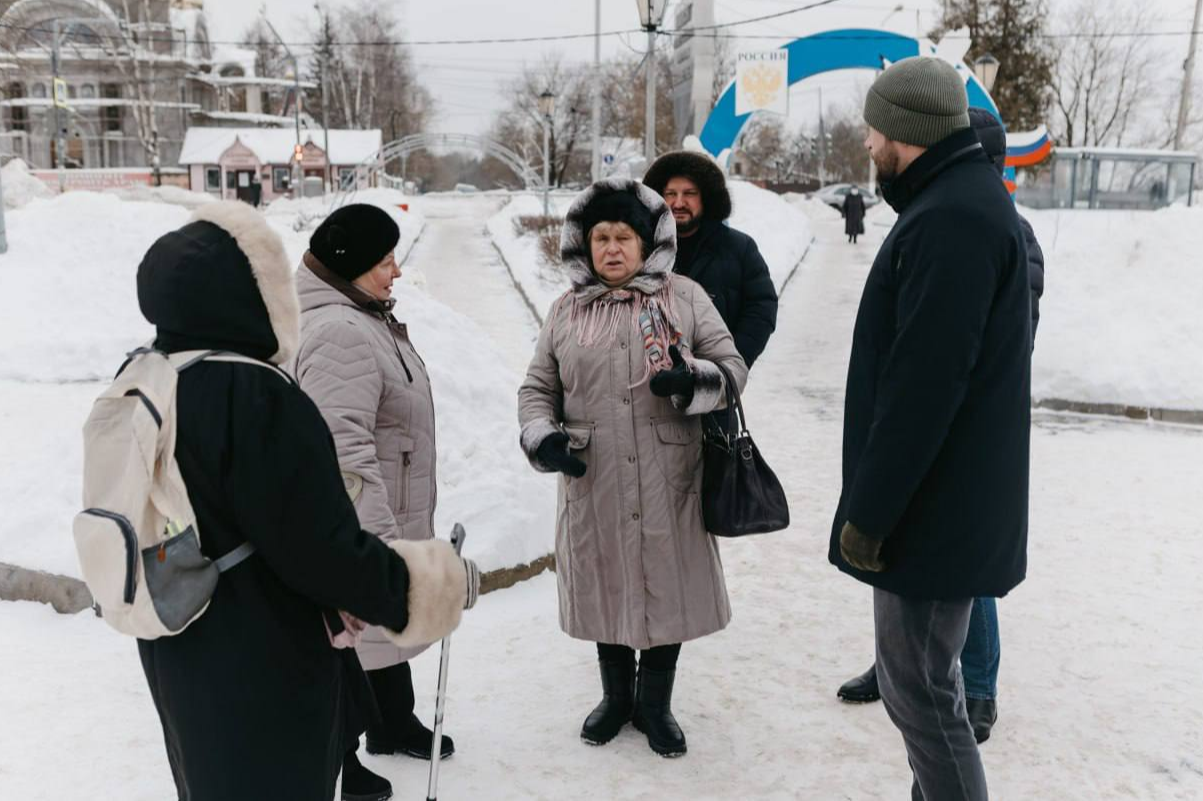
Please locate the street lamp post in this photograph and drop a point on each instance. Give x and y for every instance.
(985, 69)
(547, 108)
(651, 13)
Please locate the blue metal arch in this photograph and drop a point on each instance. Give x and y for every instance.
(851, 48)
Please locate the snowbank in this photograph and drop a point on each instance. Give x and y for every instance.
(781, 232)
(1120, 321)
(69, 309)
(164, 194)
(20, 186)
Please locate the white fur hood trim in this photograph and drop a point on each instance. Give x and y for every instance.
(264, 250)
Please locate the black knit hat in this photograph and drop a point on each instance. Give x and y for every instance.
(699, 168)
(354, 239)
(624, 207)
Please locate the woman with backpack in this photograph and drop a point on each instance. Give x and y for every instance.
(252, 696)
(357, 363)
(626, 362)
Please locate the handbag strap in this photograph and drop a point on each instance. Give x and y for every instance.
(737, 423)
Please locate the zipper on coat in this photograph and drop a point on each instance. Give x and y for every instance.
(406, 461)
(393, 338)
(131, 549)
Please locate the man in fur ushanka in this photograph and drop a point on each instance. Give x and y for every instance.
(726, 262)
(627, 361)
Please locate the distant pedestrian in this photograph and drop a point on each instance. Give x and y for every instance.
(854, 214)
(933, 510)
(724, 261)
(626, 363)
(981, 656)
(256, 189)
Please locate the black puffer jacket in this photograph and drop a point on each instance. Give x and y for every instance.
(994, 141)
(252, 697)
(728, 264)
(937, 408)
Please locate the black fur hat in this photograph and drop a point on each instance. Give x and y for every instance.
(354, 239)
(699, 168)
(624, 207)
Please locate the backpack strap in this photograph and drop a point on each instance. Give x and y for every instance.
(234, 557)
(185, 359)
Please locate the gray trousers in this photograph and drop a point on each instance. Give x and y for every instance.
(918, 647)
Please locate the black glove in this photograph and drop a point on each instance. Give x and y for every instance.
(860, 550)
(677, 381)
(553, 452)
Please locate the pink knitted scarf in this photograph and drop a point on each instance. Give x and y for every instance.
(597, 316)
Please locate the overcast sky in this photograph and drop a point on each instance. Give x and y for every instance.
(468, 80)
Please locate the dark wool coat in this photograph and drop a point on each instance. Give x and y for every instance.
(937, 408)
(990, 133)
(728, 263)
(254, 701)
(854, 214)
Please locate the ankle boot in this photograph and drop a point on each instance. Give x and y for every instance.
(360, 784)
(398, 730)
(654, 714)
(862, 689)
(617, 703)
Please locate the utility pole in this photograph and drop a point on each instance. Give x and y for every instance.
(60, 141)
(649, 141)
(596, 166)
(296, 102)
(325, 112)
(1184, 102)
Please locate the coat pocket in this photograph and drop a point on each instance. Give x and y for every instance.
(108, 556)
(406, 446)
(678, 451)
(581, 445)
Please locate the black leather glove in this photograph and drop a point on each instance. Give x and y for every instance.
(677, 381)
(860, 550)
(553, 452)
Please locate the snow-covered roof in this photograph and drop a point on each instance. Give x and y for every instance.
(275, 145)
(249, 118)
(250, 80)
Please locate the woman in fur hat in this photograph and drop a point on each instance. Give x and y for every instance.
(357, 363)
(252, 696)
(625, 363)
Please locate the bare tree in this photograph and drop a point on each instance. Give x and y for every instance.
(1104, 77)
(724, 68)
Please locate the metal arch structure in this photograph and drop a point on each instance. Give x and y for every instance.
(402, 148)
(838, 50)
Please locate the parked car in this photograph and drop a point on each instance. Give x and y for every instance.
(833, 195)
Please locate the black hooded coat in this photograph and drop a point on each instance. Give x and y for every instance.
(994, 141)
(938, 403)
(253, 699)
(854, 214)
(726, 262)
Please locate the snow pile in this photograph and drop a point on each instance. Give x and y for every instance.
(164, 194)
(21, 186)
(69, 308)
(781, 231)
(1120, 319)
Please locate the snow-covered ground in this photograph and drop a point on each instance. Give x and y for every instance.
(781, 232)
(69, 310)
(1099, 692)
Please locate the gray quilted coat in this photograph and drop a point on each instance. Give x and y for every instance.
(358, 365)
(634, 562)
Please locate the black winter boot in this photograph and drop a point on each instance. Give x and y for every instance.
(399, 730)
(617, 703)
(654, 714)
(862, 689)
(360, 784)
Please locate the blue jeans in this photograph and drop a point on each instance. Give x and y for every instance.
(982, 651)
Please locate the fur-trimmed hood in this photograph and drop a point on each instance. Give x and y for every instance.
(699, 168)
(222, 281)
(574, 249)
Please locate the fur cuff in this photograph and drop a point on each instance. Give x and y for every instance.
(438, 590)
(708, 391)
(533, 434)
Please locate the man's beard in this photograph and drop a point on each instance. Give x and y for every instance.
(887, 163)
(687, 227)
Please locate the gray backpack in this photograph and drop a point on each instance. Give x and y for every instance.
(137, 537)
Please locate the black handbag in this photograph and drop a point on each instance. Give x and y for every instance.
(740, 493)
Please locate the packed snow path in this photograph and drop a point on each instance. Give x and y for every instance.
(1099, 691)
(461, 268)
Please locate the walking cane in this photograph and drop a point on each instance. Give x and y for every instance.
(436, 747)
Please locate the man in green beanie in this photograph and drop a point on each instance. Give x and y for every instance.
(933, 510)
